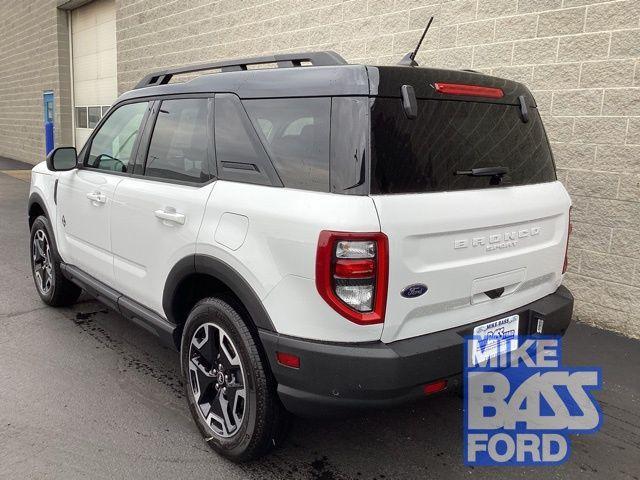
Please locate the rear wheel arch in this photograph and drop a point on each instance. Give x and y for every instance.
(200, 276)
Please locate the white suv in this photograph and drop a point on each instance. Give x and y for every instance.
(313, 238)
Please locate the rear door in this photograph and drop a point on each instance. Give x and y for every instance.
(157, 214)
(483, 245)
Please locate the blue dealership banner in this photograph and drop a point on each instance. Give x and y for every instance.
(521, 404)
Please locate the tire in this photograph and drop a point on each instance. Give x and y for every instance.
(256, 420)
(54, 289)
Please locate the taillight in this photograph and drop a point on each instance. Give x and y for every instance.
(469, 90)
(565, 266)
(352, 273)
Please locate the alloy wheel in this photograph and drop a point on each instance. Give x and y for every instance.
(217, 380)
(42, 265)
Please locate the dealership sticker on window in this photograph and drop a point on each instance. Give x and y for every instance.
(520, 403)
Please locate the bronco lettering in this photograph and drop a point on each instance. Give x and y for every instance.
(497, 241)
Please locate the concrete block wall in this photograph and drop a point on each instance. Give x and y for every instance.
(33, 58)
(581, 58)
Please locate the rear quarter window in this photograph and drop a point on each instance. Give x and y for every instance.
(296, 134)
(240, 155)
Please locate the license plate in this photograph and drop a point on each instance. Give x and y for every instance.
(493, 337)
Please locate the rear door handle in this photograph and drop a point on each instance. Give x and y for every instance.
(169, 214)
(97, 197)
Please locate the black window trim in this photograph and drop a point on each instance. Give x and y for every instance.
(363, 188)
(145, 139)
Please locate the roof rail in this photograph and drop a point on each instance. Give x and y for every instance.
(285, 60)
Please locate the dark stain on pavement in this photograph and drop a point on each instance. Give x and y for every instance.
(81, 317)
(133, 361)
(320, 469)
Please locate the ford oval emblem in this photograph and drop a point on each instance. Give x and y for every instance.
(414, 290)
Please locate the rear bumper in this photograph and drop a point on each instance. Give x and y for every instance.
(342, 377)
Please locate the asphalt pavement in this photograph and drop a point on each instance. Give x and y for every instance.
(86, 394)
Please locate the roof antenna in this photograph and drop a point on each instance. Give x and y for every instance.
(409, 59)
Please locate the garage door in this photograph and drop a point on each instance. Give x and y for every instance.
(93, 30)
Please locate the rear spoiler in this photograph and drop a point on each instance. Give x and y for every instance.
(427, 84)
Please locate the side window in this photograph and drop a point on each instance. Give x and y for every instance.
(239, 152)
(112, 145)
(296, 135)
(178, 148)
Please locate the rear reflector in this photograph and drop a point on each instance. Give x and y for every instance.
(288, 359)
(434, 387)
(469, 90)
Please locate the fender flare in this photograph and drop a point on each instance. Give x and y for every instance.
(36, 198)
(222, 271)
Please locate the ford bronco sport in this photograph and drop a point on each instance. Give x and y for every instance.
(313, 237)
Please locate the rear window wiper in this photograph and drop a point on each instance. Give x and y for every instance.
(496, 173)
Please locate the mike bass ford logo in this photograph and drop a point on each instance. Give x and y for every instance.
(521, 404)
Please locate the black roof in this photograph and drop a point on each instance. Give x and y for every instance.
(327, 74)
(269, 83)
(317, 74)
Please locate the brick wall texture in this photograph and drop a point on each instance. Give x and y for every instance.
(581, 59)
(34, 57)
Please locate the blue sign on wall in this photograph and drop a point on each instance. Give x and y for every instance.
(49, 141)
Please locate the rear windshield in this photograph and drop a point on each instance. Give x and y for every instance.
(449, 137)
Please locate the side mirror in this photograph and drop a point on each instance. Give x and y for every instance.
(62, 158)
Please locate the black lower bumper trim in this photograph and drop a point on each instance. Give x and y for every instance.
(337, 377)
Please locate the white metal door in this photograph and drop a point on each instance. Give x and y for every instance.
(85, 200)
(93, 37)
(154, 225)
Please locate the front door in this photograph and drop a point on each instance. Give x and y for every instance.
(85, 195)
